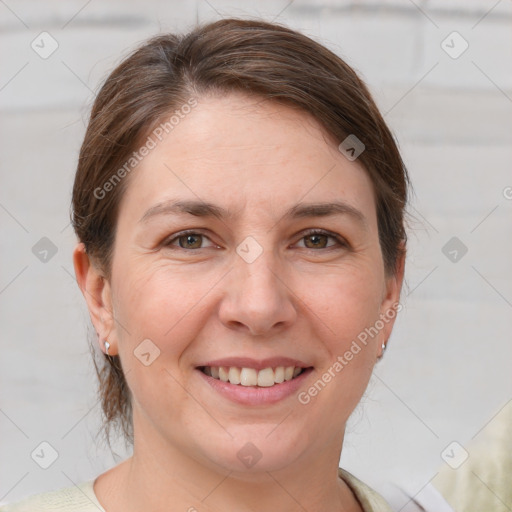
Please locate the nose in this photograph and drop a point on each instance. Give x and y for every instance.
(257, 298)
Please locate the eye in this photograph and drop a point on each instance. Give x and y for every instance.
(318, 239)
(187, 240)
(314, 239)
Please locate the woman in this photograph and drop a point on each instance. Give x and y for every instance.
(239, 206)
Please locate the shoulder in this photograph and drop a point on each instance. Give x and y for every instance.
(370, 500)
(79, 498)
(478, 476)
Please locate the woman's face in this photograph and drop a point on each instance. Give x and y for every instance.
(262, 279)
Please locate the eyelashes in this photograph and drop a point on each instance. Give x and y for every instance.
(185, 234)
(195, 237)
(323, 233)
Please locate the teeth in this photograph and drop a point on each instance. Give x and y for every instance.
(266, 377)
(248, 377)
(234, 375)
(223, 374)
(251, 377)
(279, 374)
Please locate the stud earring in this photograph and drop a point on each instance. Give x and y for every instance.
(107, 346)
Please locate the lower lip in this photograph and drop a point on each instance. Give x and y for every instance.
(254, 395)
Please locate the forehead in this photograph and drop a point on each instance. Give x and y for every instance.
(238, 151)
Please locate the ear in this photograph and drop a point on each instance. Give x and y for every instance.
(390, 305)
(97, 293)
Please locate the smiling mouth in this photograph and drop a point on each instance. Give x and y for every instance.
(266, 377)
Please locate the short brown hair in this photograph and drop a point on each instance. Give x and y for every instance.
(250, 56)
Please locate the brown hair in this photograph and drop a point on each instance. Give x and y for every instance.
(250, 56)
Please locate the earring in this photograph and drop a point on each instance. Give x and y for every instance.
(107, 346)
(383, 349)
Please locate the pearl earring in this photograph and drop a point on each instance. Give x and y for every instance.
(107, 346)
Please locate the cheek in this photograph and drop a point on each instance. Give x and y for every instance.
(347, 305)
(157, 303)
(347, 301)
(167, 304)
(173, 308)
(163, 306)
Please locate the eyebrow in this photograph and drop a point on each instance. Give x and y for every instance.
(205, 209)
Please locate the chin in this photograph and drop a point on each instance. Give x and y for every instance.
(254, 449)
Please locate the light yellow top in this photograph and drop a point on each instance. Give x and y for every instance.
(479, 477)
(82, 498)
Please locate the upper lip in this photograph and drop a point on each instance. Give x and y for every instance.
(257, 364)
